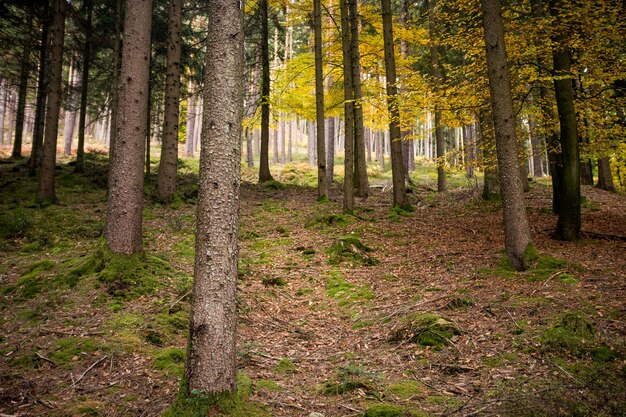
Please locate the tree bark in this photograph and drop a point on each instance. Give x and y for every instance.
(23, 88)
(322, 178)
(264, 165)
(361, 183)
(3, 105)
(84, 89)
(440, 141)
(517, 241)
(330, 150)
(124, 213)
(211, 361)
(71, 105)
(569, 221)
(348, 183)
(168, 166)
(45, 189)
(605, 177)
(191, 118)
(397, 166)
(115, 79)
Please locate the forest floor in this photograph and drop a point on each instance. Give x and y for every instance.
(423, 319)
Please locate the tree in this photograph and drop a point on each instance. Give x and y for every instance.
(264, 165)
(348, 186)
(569, 221)
(211, 360)
(517, 240)
(322, 179)
(21, 100)
(45, 188)
(84, 87)
(436, 72)
(397, 167)
(166, 180)
(124, 211)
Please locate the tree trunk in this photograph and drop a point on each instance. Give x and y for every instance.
(361, 183)
(517, 241)
(569, 221)
(115, 79)
(45, 189)
(191, 118)
(3, 103)
(330, 150)
(322, 178)
(397, 166)
(264, 165)
(605, 177)
(124, 214)
(168, 166)
(211, 361)
(71, 105)
(348, 182)
(23, 88)
(249, 151)
(440, 141)
(84, 89)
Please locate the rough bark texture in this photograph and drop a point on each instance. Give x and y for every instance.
(21, 99)
(191, 118)
(3, 102)
(322, 178)
(442, 185)
(348, 185)
(264, 163)
(166, 179)
(517, 241)
(212, 344)
(42, 94)
(569, 221)
(361, 182)
(330, 150)
(115, 78)
(397, 167)
(84, 89)
(124, 213)
(46, 176)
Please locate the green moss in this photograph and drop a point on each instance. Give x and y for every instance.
(64, 350)
(272, 185)
(426, 329)
(171, 361)
(285, 366)
(570, 331)
(330, 220)
(15, 223)
(604, 354)
(273, 281)
(501, 359)
(344, 291)
(542, 269)
(404, 389)
(350, 249)
(201, 404)
(127, 321)
(26, 361)
(267, 385)
(396, 213)
(304, 291)
(391, 410)
(30, 283)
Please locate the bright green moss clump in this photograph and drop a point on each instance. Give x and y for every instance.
(350, 249)
(426, 330)
(391, 410)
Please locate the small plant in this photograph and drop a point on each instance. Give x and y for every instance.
(285, 366)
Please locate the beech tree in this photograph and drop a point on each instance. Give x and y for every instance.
(517, 240)
(124, 211)
(322, 179)
(211, 357)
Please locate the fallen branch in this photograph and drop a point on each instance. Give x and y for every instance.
(45, 358)
(87, 371)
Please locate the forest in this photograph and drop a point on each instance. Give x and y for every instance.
(313, 208)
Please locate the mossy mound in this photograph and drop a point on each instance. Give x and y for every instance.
(391, 410)
(330, 220)
(171, 361)
(404, 389)
(396, 214)
(285, 366)
(200, 404)
(572, 332)
(299, 174)
(544, 268)
(350, 378)
(127, 276)
(350, 249)
(346, 292)
(30, 283)
(69, 348)
(426, 330)
(272, 185)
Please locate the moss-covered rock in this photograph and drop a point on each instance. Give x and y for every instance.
(350, 249)
(428, 329)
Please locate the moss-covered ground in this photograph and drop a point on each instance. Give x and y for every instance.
(382, 313)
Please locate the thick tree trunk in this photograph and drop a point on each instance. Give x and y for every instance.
(322, 179)
(264, 165)
(211, 361)
(45, 189)
(397, 166)
(361, 183)
(440, 141)
(84, 89)
(23, 87)
(168, 166)
(569, 221)
(348, 182)
(517, 240)
(605, 177)
(115, 78)
(124, 214)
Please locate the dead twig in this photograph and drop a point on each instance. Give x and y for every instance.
(556, 274)
(181, 298)
(87, 371)
(40, 356)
